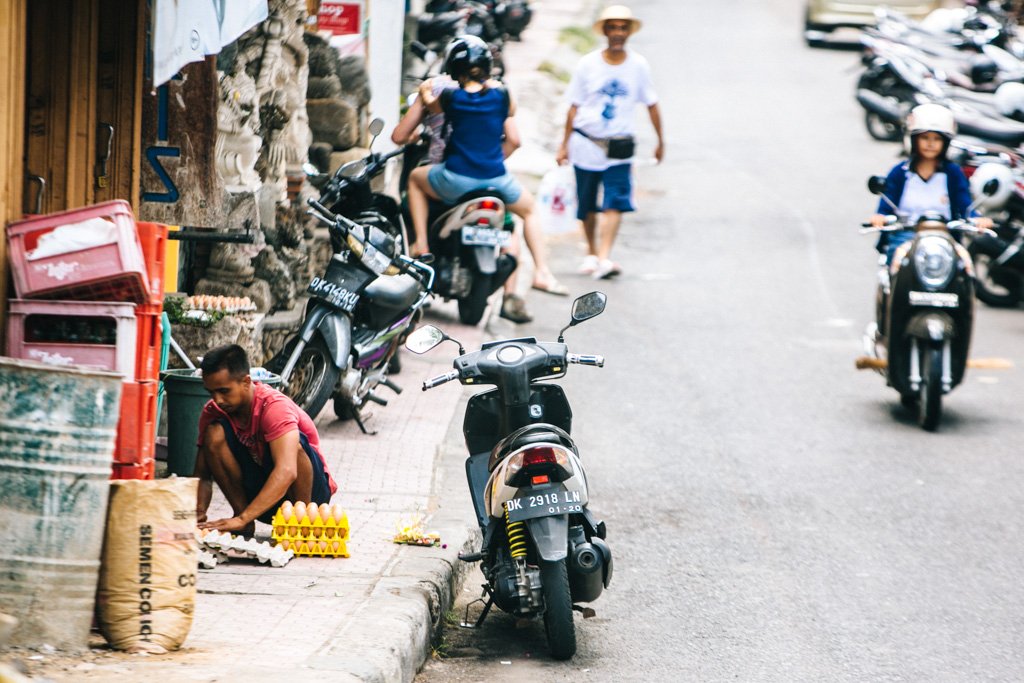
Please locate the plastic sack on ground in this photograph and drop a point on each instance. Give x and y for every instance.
(147, 586)
(556, 200)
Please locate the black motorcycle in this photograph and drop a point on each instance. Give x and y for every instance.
(543, 549)
(924, 312)
(348, 192)
(359, 311)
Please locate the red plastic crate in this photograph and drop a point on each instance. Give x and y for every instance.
(153, 239)
(88, 333)
(136, 429)
(109, 272)
(149, 342)
(145, 470)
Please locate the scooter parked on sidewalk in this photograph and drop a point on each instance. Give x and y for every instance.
(360, 310)
(543, 549)
(924, 311)
(348, 192)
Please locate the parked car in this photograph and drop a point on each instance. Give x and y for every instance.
(824, 16)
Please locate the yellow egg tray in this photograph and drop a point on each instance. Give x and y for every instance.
(317, 538)
(314, 548)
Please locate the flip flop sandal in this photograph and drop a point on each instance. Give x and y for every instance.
(556, 288)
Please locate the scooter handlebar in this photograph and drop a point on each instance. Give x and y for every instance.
(440, 379)
(585, 359)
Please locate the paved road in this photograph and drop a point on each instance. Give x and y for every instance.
(774, 514)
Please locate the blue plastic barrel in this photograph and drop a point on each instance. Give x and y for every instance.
(57, 429)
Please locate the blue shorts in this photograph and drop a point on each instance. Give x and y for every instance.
(254, 476)
(618, 190)
(451, 186)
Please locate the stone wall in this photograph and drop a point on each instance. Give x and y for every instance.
(285, 97)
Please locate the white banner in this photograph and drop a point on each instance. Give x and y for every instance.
(186, 31)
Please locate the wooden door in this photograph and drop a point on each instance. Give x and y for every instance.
(83, 97)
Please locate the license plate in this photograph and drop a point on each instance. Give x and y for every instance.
(485, 237)
(936, 299)
(543, 504)
(337, 296)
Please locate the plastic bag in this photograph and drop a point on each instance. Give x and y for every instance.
(556, 200)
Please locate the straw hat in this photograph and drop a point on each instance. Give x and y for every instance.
(620, 13)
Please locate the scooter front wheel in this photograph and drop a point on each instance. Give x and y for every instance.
(930, 411)
(314, 377)
(558, 619)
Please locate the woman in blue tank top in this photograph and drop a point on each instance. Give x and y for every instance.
(480, 135)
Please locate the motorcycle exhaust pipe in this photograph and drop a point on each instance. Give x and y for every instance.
(587, 571)
(585, 559)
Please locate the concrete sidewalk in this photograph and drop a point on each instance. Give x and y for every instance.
(372, 616)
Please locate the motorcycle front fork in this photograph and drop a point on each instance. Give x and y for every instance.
(915, 365)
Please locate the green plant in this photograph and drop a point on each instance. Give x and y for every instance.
(579, 38)
(552, 69)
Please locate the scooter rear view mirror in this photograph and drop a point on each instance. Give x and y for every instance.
(585, 307)
(424, 339)
(991, 187)
(588, 306)
(375, 127)
(876, 184)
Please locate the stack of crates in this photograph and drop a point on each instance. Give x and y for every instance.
(95, 303)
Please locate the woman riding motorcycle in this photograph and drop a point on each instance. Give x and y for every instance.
(927, 182)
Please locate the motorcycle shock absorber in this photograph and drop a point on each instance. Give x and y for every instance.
(517, 549)
(516, 538)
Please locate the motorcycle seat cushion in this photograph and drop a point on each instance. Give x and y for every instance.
(393, 291)
(528, 436)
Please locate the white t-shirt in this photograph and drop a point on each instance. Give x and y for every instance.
(605, 97)
(921, 196)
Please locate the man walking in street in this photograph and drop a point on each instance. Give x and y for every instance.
(256, 443)
(603, 93)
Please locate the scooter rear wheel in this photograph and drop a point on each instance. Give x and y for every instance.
(558, 619)
(473, 305)
(930, 411)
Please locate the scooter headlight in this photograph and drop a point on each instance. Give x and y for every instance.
(934, 260)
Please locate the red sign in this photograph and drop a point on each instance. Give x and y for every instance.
(340, 18)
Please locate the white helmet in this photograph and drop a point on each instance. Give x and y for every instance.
(992, 171)
(1010, 99)
(931, 118)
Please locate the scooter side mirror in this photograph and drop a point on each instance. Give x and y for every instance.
(584, 308)
(991, 187)
(375, 127)
(588, 306)
(876, 184)
(424, 339)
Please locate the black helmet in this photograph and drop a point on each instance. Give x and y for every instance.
(464, 53)
(983, 69)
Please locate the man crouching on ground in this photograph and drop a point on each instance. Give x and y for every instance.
(256, 443)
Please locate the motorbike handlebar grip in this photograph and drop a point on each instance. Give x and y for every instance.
(440, 379)
(586, 359)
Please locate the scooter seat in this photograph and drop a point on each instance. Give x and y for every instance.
(528, 436)
(393, 291)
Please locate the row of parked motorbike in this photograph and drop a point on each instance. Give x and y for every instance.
(543, 549)
(493, 21)
(970, 60)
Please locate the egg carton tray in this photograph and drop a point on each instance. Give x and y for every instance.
(215, 548)
(314, 548)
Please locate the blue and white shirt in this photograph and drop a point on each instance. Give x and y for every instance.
(605, 97)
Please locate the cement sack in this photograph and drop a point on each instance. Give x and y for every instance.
(147, 586)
